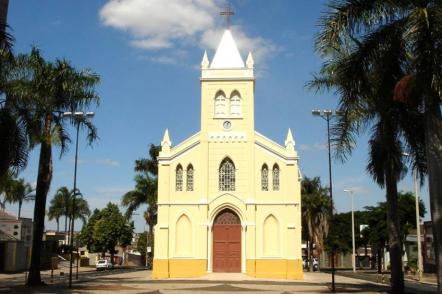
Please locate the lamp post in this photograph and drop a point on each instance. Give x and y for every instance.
(75, 116)
(420, 266)
(353, 257)
(418, 226)
(327, 115)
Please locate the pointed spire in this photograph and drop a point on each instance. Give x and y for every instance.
(250, 62)
(289, 142)
(227, 54)
(166, 143)
(205, 61)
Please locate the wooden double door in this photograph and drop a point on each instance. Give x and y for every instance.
(227, 242)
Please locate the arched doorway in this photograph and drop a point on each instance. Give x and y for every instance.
(227, 242)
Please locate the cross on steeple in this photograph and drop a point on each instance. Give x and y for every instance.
(227, 13)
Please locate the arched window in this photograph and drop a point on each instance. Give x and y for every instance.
(179, 178)
(275, 177)
(227, 175)
(235, 104)
(189, 178)
(220, 104)
(264, 178)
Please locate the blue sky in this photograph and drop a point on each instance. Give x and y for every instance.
(148, 52)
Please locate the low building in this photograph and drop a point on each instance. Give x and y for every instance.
(15, 242)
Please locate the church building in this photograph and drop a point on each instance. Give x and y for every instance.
(229, 198)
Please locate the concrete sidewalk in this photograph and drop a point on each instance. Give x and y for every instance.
(141, 282)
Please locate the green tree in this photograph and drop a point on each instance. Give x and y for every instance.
(49, 89)
(396, 46)
(13, 128)
(6, 181)
(87, 233)
(339, 235)
(106, 229)
(59, 206)
(142, 243)
(145, 191)
(315, 214)
(81, 210)
(19, 192)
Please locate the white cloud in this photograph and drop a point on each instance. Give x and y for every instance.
(107, 162)
(316, 146)
(172, 25)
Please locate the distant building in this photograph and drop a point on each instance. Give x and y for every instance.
(15, 242)
(21, 229)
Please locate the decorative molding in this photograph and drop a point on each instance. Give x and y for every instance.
(289, 160)
(164, 226)
(227, 136)
(165, 160)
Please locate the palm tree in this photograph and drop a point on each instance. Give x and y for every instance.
(145, 191)
(59, 206)
(13, 127)
(315, 214)
(6, 181)
(413, 32)
(19, 192)
(81, 210)
(49, 89)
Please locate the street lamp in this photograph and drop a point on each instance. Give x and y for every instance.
(75, 116)
(327, 115)
(353, 258)
(418, 226)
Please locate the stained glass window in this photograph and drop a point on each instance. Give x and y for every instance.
(189, 182)
(179, 178)
(264, 178)
(275, 177)
(227, 175)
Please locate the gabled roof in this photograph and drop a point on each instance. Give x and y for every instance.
(227, 54)
(6, 216)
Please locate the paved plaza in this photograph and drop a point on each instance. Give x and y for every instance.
(139, 281)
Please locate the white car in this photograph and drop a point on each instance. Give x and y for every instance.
(103, 264)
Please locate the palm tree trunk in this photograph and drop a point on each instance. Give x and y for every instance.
(151, 239)
(43, 183)
(3, 14)
(310, 259)
(433, 142)
(65, 223)
(58, 224)
(394, 240)
(379, 260)
(19, 208)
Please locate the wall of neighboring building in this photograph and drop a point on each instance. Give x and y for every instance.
(15, 256)
(11, 227)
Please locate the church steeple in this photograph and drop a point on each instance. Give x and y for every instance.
(227, 91)
(290, 142)
(166, 143)
(227, 54)
(205, 61)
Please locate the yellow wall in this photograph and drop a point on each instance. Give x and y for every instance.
(183, 234)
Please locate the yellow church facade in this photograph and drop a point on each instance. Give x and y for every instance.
(228, 197)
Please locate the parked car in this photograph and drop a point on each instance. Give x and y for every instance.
(103, 264)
